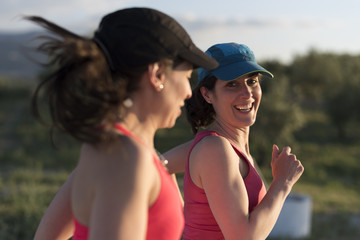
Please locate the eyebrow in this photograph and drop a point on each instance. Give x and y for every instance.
(254, 74)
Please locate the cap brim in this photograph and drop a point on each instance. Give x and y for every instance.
(239, 69)
(198, 58)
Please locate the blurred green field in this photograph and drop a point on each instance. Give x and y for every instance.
(31, 170)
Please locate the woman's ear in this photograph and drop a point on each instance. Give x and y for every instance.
(206, 94)
(156, 74)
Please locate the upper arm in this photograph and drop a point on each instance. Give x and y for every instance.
(177, 157)
(122, 198)
(57, 221)
(215, 166)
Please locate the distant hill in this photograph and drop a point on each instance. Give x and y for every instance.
(14, 64)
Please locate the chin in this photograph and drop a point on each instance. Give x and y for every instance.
(168, 124)
(171, 125)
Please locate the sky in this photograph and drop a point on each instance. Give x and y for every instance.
(273, 29)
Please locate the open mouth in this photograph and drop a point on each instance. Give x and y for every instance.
(244, 108)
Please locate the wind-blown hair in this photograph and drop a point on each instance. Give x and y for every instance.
(84, 95)
(200, 113)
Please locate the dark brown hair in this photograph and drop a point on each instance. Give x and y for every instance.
(81, 90)
(200, 113)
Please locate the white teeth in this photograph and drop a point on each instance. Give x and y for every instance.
(246, 107)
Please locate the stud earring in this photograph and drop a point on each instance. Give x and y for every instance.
(127, 103)
(161, 86)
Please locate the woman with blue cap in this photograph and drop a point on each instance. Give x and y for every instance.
(224, 196)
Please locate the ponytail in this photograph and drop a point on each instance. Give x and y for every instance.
(80, 89)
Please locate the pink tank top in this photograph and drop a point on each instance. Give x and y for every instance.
(165, 216)
(199, 220)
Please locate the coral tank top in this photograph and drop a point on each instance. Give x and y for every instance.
(165, 216)
(199, 220)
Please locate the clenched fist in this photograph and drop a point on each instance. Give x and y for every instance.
(286, 168)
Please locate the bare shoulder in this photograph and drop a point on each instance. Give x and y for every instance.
(213, 162)
(122, 160)
(213, 149)
(124, 182)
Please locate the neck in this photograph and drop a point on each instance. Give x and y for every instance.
(238, 136)
(141, 128)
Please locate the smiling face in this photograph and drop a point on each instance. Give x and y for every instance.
(236, 102)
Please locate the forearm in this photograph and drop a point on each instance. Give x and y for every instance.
(57, 221)
(173, 176)
(177, 158)
(263, 218)
(286, 170)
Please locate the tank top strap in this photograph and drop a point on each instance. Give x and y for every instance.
(159, 162)
(200, 135)
(128, 133)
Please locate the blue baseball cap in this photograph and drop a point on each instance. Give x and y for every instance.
(235, 60)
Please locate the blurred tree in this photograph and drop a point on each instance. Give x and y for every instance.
(279, 116)
(314, 75)
(343, 107)
(328, 82)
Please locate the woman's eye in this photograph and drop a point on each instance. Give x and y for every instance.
(231, 84)
(251, 82)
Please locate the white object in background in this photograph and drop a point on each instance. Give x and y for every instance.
(295, 218)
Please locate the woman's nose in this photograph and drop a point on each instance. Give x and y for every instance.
(245, 92)
(188, 91)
